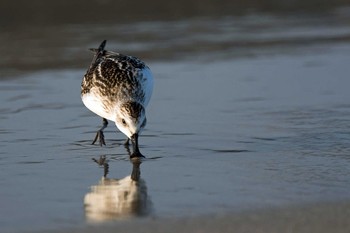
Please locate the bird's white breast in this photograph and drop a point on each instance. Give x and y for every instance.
(147, 84)
(97, 105)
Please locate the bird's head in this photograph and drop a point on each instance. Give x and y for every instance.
(131, 118)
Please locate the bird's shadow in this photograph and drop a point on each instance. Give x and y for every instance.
(117, 198)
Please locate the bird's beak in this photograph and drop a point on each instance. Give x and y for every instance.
(135, 146)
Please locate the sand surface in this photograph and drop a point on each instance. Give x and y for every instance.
(332, 217)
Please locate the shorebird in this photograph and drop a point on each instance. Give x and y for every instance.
(118, 88)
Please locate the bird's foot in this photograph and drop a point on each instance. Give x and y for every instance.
(99, 136)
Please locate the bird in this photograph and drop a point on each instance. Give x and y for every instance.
(118, 88)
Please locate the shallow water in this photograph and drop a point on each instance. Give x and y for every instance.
(225, 134)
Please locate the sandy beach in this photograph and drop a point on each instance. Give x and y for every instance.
(317, 218)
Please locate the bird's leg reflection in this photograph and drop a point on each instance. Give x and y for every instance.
(113, 199)
(102, 162)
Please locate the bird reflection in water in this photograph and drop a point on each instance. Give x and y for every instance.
(113, 199)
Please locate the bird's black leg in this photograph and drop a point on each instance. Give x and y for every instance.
(99, 134)
(128, 150)
(126, 143)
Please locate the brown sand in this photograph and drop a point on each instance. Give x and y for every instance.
(315, 218)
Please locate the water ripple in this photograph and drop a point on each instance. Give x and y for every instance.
(47, 106)
(30, 162)
(227, 151)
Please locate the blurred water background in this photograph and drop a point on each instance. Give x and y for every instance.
(250, 109)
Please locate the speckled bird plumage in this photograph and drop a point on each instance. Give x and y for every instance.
(117, 84)
(114, 78)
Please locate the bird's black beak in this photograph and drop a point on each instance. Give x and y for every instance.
(135, 146)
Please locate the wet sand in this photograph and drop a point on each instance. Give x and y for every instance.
(282, 140)
(311, 218)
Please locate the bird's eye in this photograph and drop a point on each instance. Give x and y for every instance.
(124, 122)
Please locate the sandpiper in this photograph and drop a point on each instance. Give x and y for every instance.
(118, 88)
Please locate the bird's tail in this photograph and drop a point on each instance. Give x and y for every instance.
(98, 52)
(100, 49)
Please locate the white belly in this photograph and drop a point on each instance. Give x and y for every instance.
(97, 105)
